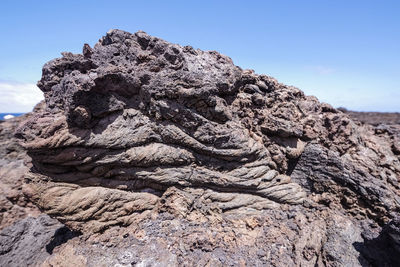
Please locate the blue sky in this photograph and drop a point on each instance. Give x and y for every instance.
(346, 53)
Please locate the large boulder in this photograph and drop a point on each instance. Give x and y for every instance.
(169, 141)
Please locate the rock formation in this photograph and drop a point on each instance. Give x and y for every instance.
(166, 154)
(14, 163)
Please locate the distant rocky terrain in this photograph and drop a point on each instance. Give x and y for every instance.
(385, 123)
(374, 118)
(155, 154)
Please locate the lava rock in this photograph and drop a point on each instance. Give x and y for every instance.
(200, 162)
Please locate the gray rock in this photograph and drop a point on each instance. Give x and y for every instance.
(30, 241)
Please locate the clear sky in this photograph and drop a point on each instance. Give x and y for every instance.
(346, 53)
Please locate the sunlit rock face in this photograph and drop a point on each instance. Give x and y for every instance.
(14, 163)
(136, 123)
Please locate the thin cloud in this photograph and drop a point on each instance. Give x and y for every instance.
(18, 97)
(324, 70)
(321, 70)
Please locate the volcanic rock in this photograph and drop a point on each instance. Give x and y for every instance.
(30, 241)
(198, 162)
(14, 163)
(374, 118)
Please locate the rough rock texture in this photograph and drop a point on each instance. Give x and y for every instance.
(163, 154)
(374, 118)
(31, 241)
(14, 163)
(385, 124)
(274, 237)
(26, 237)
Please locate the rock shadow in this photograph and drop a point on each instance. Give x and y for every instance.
(61, 236)
(380, 251)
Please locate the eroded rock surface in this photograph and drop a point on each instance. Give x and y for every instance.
(157, 141)
(14, 163)
(31, 241)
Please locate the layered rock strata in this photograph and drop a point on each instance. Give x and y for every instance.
(136, 115)
(166, 140)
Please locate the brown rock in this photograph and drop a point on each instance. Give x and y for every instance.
(178, 156)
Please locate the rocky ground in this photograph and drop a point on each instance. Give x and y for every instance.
(154, 154)
(374, 118)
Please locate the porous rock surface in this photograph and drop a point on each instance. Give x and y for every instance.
(14, 163)
(31, 240)
(169, 155)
